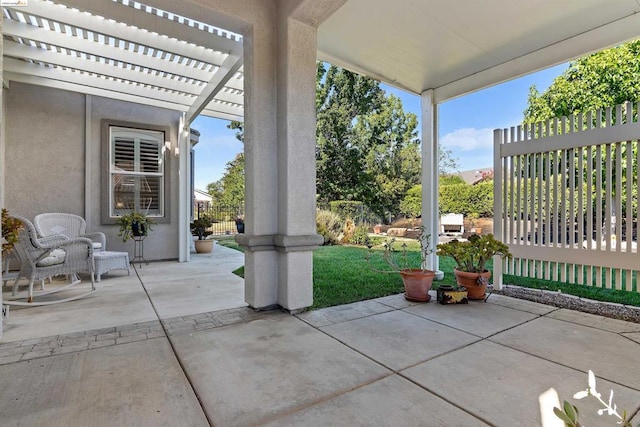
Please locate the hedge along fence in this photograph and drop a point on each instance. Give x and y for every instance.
(466, 199)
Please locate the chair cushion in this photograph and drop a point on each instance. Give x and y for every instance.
(55, 257)
(97, 245)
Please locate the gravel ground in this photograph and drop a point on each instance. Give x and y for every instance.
(558, 299)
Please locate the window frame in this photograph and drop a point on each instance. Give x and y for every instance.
(111, 128)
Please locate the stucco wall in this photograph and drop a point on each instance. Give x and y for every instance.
(162, 242)
(44, 150)
(45, 159)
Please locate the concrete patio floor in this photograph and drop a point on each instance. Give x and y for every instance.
(174, 344)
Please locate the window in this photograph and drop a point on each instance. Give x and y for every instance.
(136, 171)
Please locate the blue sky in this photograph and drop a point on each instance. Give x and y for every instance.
(466, 125)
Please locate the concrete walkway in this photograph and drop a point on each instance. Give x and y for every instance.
(175, 345)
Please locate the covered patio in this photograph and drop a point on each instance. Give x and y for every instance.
(155, 65)
(174, 344)
(180, 343)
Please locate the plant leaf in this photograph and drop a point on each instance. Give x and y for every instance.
(568, 409)
(563, 416)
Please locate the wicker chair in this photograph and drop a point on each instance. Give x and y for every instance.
(72, 226)
(42, 258)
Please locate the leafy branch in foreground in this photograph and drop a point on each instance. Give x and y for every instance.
(569, 414)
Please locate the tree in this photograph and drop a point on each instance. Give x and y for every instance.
(341, 98)
(229, 190)
(602, 79)
(446, 162)
(367, 146)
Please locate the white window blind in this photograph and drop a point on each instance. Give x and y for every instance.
(136, 171)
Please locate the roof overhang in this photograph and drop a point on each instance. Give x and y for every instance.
(127, 50)
(456, 47)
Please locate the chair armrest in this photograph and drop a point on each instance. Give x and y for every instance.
(97, 237)
(52, 241)
(78, 248)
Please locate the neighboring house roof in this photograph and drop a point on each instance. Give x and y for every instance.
(201, 196)
(474, 176)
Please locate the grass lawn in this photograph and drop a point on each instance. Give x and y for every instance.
(228, 241)
(341, 275)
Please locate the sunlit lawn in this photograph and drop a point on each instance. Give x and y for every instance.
(341, 275)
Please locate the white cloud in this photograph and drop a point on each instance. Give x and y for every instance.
(468, 139)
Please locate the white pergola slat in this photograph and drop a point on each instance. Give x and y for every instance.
(128, 51)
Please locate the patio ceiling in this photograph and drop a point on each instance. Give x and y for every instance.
(456, 47)
(126, 50)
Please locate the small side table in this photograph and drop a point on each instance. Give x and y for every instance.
(138, 250)
(106, 261)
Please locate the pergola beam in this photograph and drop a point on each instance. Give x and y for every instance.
(212, 110)
(227, 70)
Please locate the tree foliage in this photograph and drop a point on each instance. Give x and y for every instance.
(367, 145)
(602, 79)
(229, 190)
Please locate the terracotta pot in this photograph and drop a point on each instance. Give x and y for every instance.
(204, 246)
(417, 283)
(475, 289)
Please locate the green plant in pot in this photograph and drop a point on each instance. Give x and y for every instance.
(471, 258)
(200, 227)
(134, 224)
(416, 278)
(10, 229)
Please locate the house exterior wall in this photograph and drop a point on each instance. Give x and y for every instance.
(44, 151)
(46, 163)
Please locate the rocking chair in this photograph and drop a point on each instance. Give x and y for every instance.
(42, 258)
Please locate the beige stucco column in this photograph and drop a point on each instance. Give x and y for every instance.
(280, 231)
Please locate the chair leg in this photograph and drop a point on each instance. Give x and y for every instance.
(30, 294)
(14, 289)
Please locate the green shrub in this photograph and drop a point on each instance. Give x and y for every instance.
(329, 225)
(360, 235)
(465, 199)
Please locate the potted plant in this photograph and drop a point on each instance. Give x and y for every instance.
(417, 280)
(471, 257)
(134, 224)
(240, 224)
(200, 228)
(10, 229)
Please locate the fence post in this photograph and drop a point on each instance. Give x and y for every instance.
(497, 205)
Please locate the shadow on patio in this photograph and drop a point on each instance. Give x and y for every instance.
(195, 355)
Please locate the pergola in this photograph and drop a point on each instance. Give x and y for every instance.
(254, 60)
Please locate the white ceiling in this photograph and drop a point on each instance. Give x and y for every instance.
(125, 50)
(458, 46)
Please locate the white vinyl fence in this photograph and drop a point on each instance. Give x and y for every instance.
(566, 198)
